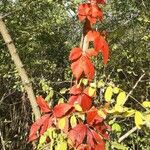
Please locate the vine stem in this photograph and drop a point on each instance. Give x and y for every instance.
(20, 68)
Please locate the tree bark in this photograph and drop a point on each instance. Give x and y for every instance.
(18, 63)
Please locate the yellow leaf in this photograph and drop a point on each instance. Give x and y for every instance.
(61, 146)
(108, 94)
(129, 113)
(146, 104)
(121, 98)
(100, 84)
(62, 123)
(101, 114)
(147, 117)
(119, 108)
(61, 100)
(85, 81)
(73, 121)
(77, 107)
(91, 91)
(116, 90)
(93, 85)
(138, 119)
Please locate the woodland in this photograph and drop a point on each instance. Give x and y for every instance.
(48, 36)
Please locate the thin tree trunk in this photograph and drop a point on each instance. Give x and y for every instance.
(17, 61)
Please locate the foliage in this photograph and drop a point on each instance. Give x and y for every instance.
(43, 32)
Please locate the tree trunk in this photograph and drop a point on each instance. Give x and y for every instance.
(17, 61)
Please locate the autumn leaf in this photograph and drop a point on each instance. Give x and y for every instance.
(42, 104)
(77, 134)
(75, 90)
(61, 109)
(138, 119)
(37, 125)
(75, 53)
(108, 94)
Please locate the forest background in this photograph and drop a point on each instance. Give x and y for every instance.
(44, 33)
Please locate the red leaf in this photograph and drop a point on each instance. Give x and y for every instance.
(75, 90)
(36, 126)
(90, 138)
(77, 69)
(97, 137)
(42, 104)
(83, 147)
(92, 35)
(85, 102)
(100, 146)
(91, 115)
(61, 109)
(75, 53)
(97, 1)
(77, 134)
(101, 45)
(91, 52)
(73, 99)
(88, 67)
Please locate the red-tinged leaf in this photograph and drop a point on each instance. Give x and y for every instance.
(101, 45)
(44, 126)
(91, 19)
(100, 146)
(73, 99)
(75, 53)
(97, 137)
(92, 35)
(102, 128)
(61, 109)
(42, 104)
(77, 134)
(77, 69)
(36, 126)
(83, 11)
(83, 147)
(90, 138)
(88, 67)
(97, 1)
(91, 114)
(76, 90)
(91, 52)
(85, 102)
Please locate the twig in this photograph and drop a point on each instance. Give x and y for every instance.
(127, 134)
(134, 86)
(2, 141)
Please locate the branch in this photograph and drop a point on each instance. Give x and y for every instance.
(134, 86)
(127, 134)
(2, 141)
(18, 63)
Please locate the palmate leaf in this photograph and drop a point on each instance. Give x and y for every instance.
(61, 109)
(42, 104)
(83, 65)
(75, 53)
(37, 125)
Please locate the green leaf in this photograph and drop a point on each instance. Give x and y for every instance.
(116, 127)
(108, 94)
(63, 90)
(118, 146)
(49, 96)
(121, 99)
(85, 81)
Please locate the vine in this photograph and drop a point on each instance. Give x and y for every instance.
(79, 123)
